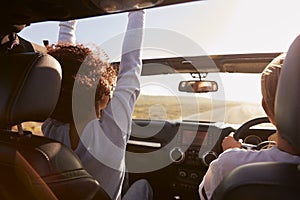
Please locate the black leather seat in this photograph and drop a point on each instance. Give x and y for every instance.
(31, 166)
(262, 180)
(273, 180)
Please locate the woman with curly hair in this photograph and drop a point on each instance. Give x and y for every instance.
(90, 117)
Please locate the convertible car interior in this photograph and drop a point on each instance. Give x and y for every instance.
(188, 147)
(173, 155)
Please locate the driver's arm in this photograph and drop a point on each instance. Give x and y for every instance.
(212, 178)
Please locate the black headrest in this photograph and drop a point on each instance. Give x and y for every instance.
(287, 105)
(29, 87)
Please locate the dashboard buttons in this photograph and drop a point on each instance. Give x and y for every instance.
(182, 173)
(177, 155)
(208, 157)
(194, 175)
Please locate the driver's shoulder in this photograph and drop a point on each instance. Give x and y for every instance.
(242, 155)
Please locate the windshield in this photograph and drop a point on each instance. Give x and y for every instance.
(237, 100)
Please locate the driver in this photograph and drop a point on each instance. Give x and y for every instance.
(227, 161)
(269, 80)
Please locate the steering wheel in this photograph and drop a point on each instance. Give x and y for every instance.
(239, 133)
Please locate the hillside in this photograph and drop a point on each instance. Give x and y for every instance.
(182, 107)
(191, 108)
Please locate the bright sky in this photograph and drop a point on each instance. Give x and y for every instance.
(212, 26)
(215, 26)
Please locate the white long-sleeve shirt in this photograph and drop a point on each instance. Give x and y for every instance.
(103, 142)
(67, 31)
(232, 158)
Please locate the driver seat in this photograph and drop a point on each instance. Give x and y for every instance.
(32, 166)
(261, 180)
(273, 180)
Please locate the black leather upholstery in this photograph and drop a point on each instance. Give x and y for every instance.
(287, 105)
(263, 180)
(29, 87)
(31, 166)
(43, 166)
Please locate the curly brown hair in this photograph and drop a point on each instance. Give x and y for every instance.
(97, 74)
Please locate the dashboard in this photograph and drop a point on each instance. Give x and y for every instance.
(174, 156)
(184, 150)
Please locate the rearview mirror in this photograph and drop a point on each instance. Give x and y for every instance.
(198, 86)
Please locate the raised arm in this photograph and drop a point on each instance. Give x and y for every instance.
(128, 84)
(131, 50)
(67, 31)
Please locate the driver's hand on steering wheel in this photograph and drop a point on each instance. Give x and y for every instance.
(229, 142)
